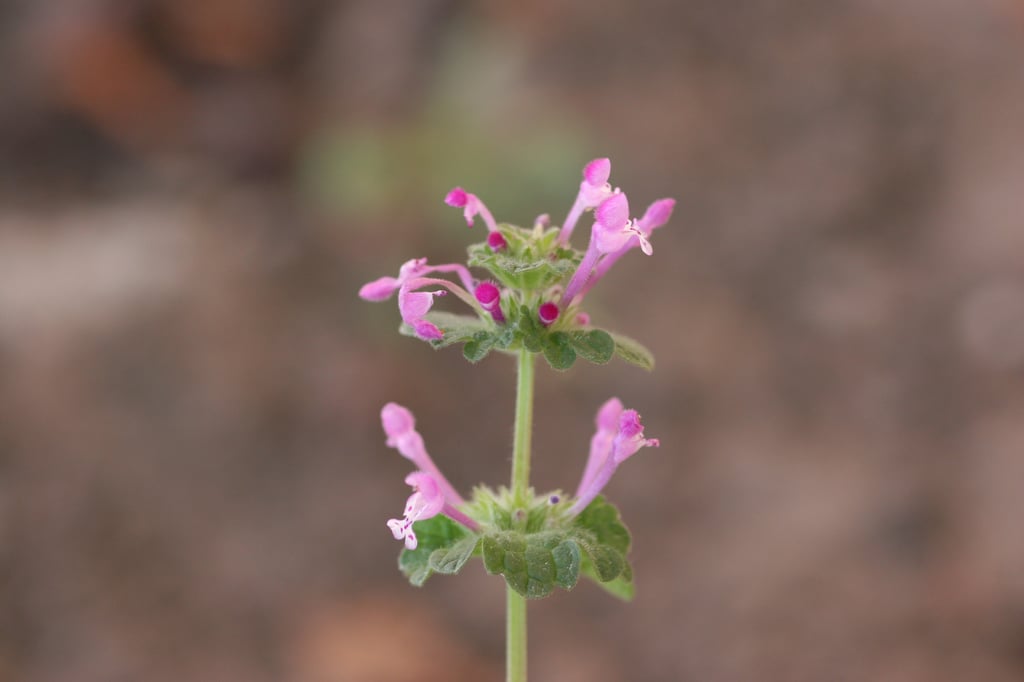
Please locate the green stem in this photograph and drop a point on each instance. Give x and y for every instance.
(523, 428)
(516, 615)
(515, 642)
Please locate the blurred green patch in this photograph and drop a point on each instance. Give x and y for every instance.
(476, 127)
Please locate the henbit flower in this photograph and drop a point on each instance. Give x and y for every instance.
(400, 428)
(607, 423)
(656, 215)
(604, 458)
(414, 305)
(383, 288)
(426, 501)
(593, 190)
(548, 313)
(489, 296)
(611, 232)
(471, 206)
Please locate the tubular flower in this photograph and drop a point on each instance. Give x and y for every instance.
(425, 502)
(471, 206)
(489, 296)
(400, 428)
(593, 190)
(432, 493)
(383, 288)
(619, 436)
(612, 235)
(413, 304)
(656, 215)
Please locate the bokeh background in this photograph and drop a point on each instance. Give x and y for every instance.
(193, 481)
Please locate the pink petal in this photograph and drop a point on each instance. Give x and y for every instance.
(458, 197)
(597, 172)
(613, 213)
(397, 421)
(379, 289)
(607, 415)
(657, 214)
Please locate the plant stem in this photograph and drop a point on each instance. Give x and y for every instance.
(523, 429)
(515, 641)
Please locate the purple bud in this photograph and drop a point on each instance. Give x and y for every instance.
(496, 241)
(489, 296)
(548, 313)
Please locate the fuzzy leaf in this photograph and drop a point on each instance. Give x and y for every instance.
(602, 519)
(595, 345)
(633, 352)
(456, 328)
(621, 587)
(532, 564)
(477, 348)
(605, 542)
(451, 559)
(437, 533)
(558, 350)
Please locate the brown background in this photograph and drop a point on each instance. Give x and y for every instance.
(193, 482)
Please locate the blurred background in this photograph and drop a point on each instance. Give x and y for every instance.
(193, 480)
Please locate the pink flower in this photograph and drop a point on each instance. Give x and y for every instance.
(425, 502)
(619, 436)
(548, 313)
(413, 304)
(612, 236)
(400, 428)
(432, 493)
(656, 215)
(489, 296)
(383, 288)
(471, 206)
(593, 190)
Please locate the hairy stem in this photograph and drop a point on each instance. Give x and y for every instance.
(515, 655)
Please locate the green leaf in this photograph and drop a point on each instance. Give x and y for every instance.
(595, 345)
(558, 351)
(622, 587)
(567, 564)
(633, 352)
(532, 564)
(607, 563)
(479, 346)
(451, 559)
(602, 520)
(437, 533)
(605, 542)
(456, 328)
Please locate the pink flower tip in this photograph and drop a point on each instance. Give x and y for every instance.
(597, 172)
(548, 313)
(397, 421)
(488, 294)
(496, 241)
(608, 415)
(458, 198)
(657, 214)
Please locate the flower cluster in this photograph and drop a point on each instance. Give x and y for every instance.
(534, 295)
(530, 302)
(619, 436)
